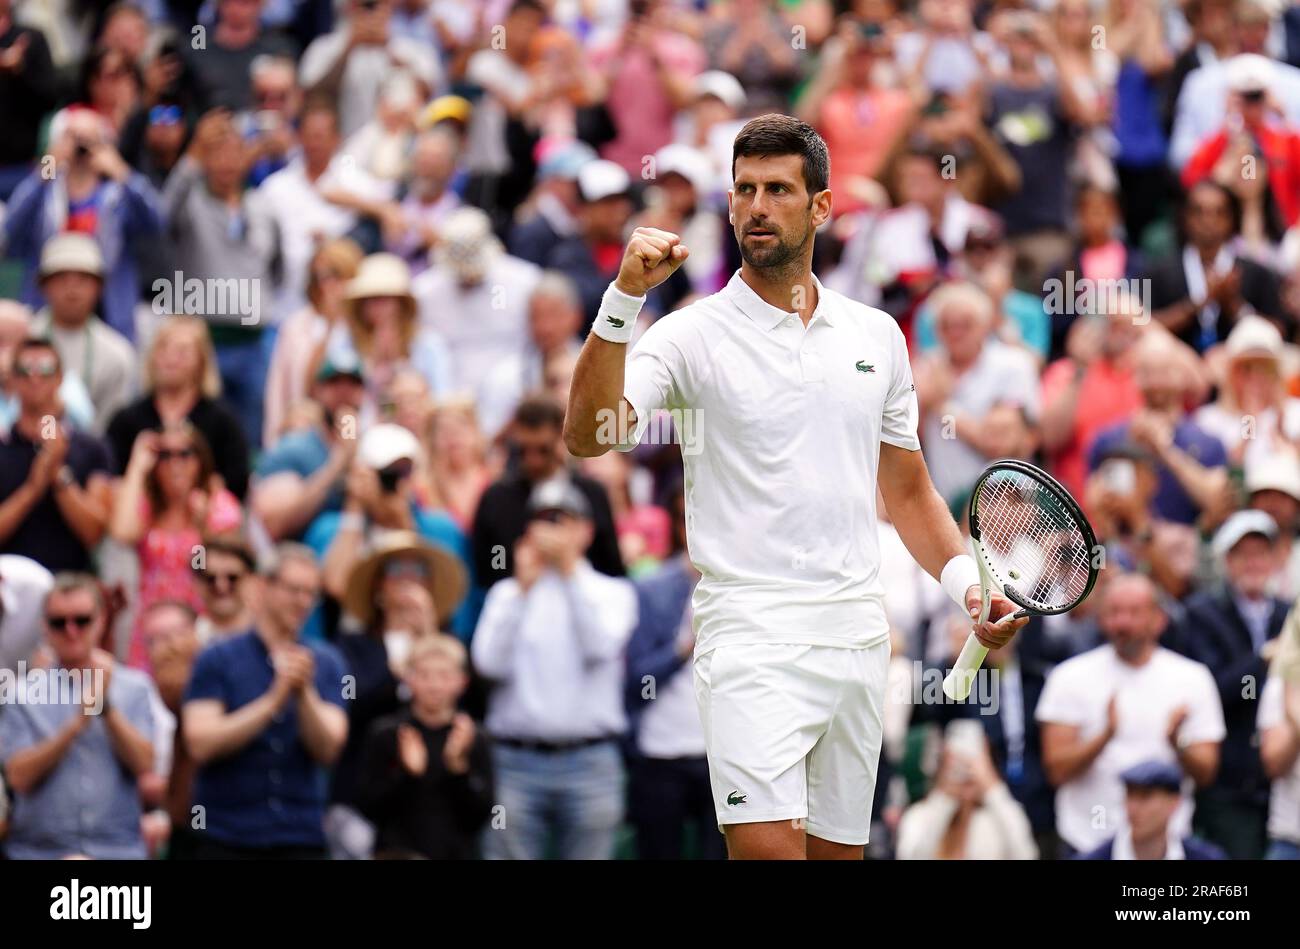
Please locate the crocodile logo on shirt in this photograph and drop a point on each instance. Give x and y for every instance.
(735, 797)
(616, 323)
(862, 366)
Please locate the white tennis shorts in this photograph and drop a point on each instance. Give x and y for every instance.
(793, 732)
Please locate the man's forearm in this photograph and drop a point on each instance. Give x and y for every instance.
(318, 727)
(29, 767)
(133, 749)
(232, 731)
(925, 524)
(596, 391)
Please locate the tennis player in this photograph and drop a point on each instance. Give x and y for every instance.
(803, 405)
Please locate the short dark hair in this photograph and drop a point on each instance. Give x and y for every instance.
(38, 342)
(539, 411)
(521, 6)
(233, 545)
(776, 134)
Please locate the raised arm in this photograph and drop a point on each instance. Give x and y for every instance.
(596, 393)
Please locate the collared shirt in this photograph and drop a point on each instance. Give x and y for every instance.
(23, 585)
(781, 430)
(270, 793)
(1255, 613)
(556, 653)
(89, 803)
(1284, 796)
(1123, 848)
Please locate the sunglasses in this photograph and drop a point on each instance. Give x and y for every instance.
(217, 579)
(170, 454)
(61, 623)
(405, 570)
(165, 115)
(44, 370)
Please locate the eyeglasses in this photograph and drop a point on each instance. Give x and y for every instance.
(219, 579)
(43, 370)
(308, 593)
(61, 623)
(170, 454)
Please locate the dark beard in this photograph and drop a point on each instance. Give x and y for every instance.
(783, 256)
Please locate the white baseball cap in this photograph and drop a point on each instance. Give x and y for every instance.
(1249, 72)
(721, 85)
(1279, 471)
(385, 444)
(1254, 336)
(1239, 525)
(688, 162)
(602, 179)
(71, 253)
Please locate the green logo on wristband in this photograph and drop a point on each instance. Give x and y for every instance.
(617, 324)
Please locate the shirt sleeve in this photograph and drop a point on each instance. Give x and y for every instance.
(1271, 707)
(330, 670)
(139, 711)
(16, 732)
(1205, 711)
(1060, 702)
(899, 420)
(652, 377)
(207, 681)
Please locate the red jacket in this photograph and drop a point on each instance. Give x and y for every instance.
(1281, 148)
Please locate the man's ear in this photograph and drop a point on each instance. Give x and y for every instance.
(731, 210)
(821, 207)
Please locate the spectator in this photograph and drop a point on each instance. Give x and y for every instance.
(318, 195)
(403, 594)
(263, 713)
(502, 518)
(23, 585)
(181, 384)
(1192, 472)
(1233, 631)
(962, 383)
(591, 257)
(169, 497)
(1123, 703)
(644, 529)
(268, 124)
(709, 124)
(458, 469)
(221, 67)
(555, 318)
(752, 43)
(1279, 748)
(551, 214)
(1253, 416)
(475, 297)
(170, 635)
(1152, 797)
(224, 236)
(222, 577)
(382, 146)
(380, 498)
(969, 814)
(1273, 486)
(73, 758)
(552, 638)
(426, 776)
(110, 85)
(428, 199)
(16, 326)
(91, 191)
(668, 774)
(301, 476)
(27, 90)
(1200, 292)
(288, 378)
(678, 204)
(72, 275)
(55, 498)
(352, 63)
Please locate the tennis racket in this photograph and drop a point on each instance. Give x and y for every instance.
(1033, 545)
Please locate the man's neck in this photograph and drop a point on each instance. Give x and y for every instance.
(1141, 659)
(273, 637)
(238, 623)
(432, 717)
(69, 322)
(1150, 849)
(31, 421)
(785, 287)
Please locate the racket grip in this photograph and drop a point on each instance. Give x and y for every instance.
(958, 683)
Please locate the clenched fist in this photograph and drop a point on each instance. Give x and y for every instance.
(650, 258)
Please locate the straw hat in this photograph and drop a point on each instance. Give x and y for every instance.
(381, 275)
(447, 582)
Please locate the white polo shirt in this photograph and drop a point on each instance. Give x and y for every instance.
(1090, 808)
(1284, 799)
(782, 430)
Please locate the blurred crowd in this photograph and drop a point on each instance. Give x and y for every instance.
(290, 299)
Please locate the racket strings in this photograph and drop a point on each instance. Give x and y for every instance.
(1032, 540)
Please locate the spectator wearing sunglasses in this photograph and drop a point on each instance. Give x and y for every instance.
(168, 498)
(221, 574)
(54, 483)
(74, 759)
(264, 712)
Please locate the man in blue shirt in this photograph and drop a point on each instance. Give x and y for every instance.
(263, 715)
(75, 737)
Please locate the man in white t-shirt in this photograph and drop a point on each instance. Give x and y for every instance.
(793, 401)
(1279, 746)
(1117, 705)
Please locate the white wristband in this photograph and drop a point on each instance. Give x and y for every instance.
(959, 575)
(617, 316)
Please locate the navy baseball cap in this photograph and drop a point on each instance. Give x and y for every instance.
(1154, 774)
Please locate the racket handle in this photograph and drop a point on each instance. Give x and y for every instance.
(959, 681)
